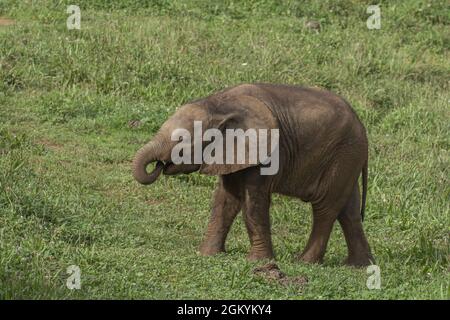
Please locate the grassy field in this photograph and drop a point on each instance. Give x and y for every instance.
(75, 105)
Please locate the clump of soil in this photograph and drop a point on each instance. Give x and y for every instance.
(272, 272)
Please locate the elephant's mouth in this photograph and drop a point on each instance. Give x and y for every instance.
(171, 169)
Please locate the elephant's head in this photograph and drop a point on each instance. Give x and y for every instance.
(242, 112)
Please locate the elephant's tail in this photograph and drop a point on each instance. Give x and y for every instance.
(364, 189)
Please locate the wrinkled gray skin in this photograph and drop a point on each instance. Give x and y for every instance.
(323, 150)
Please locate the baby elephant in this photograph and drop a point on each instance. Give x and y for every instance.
(316, 150)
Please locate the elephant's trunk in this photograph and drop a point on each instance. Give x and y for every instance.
(146, 155)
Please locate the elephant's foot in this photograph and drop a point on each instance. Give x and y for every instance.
(309, 256)
(358, 261)
(305, 258)
(255, 255)
(209, 250)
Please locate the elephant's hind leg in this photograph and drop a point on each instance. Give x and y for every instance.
(331, 197)
(323, 220)
(351, 223)
(227, 203)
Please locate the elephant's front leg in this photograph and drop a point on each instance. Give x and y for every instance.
(226, 205)
(257, 221)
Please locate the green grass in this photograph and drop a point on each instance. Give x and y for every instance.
(66, 97)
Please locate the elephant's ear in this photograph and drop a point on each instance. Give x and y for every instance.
(250, 119)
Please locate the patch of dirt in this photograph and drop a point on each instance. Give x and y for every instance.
(49, 144)
(313, 25)
(5, 21)
(154, 202)
(134, 123)
(272, 272)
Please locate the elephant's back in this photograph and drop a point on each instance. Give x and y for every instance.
(293, 101)
(300, 111)
(314, 124)
(307, 111)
